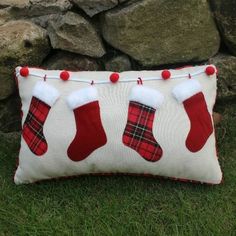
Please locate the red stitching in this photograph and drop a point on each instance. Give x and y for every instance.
(140, 81)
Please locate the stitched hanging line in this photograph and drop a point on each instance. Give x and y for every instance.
(83, 80)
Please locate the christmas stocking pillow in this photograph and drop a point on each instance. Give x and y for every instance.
(138, 122)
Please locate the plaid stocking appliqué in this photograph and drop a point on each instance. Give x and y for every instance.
(138, 133)
(33, 126)
(44, 96)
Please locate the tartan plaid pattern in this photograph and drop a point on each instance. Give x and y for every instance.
(33, 126)
(138, 131)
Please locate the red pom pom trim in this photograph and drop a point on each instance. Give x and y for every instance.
(210, 70)
(24, 71)
(64, 75)
(114, 77)
(165, 74)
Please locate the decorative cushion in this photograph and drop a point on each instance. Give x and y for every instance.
(137, 122)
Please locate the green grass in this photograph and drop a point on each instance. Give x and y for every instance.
(122, 205)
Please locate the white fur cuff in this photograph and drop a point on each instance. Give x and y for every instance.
(17, 70)
(186, 90)
(82, 97)
(45, 92)
(147, 96)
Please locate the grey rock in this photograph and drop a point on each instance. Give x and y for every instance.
(33, 8)
(225, 14)
(118, 63)
(71, 61)
(5, 15)
(43, 21)
(10, 143)
(37, 11)
(10, 118)
(73, 33)
(24, 43)
(226, 65)
(156, 32)
(14, 3)
(93, 7)
(7, 83)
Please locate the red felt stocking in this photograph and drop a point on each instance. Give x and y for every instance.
(189, 93)
(138, 133)
(90, 134)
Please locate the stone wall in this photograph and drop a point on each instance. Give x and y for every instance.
(113, 35)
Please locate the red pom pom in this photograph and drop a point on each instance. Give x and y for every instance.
(64, 75)
(24, 71)
(165, 74)
(210, 70)
(114, 77)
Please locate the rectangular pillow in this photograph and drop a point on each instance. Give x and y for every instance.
(137, 122)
